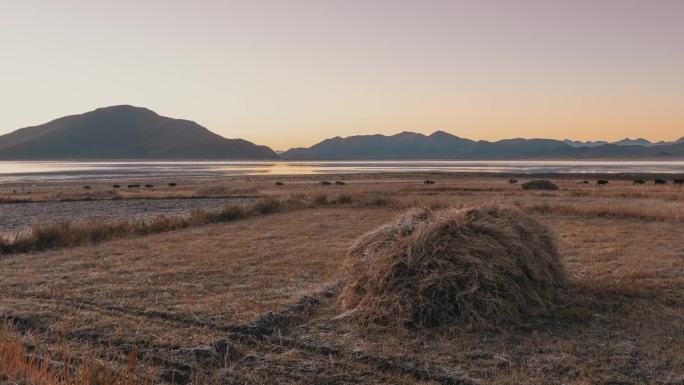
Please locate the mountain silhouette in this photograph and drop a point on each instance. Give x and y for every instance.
(410, 145)
(442, 145)
(127, 132)
(124, 132)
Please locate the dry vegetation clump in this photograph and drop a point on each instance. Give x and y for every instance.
(665, 214)
(87, 196)
(472, 268)
(539, 184)
(221, 191)
(321, 200)
(344, 199)
(17, 366)
(70, 234)
(212, 191)
(378, 201)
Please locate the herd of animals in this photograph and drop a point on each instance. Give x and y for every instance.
(603, 182)
(118, 186)
(600, 182)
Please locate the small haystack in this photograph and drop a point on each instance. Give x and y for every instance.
(473, 268)
(539, 184)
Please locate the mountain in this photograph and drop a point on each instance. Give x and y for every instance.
(124, 132)
(410, 145)
(578, 143)
(635, 142)
(441, 145)
(404, 145)
(623, 142)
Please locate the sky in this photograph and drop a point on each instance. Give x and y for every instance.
(289, 73)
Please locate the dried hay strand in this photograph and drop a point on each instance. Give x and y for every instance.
(471, 268)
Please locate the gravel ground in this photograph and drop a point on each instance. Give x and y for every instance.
(18, 216)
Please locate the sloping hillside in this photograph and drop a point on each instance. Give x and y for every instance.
(124, 132)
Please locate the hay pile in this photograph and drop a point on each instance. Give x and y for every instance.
(539, 184)
(471, 268)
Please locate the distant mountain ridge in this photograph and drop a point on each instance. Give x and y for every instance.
(623, 142)
(124, 132)
(127, 132)
(442, 145)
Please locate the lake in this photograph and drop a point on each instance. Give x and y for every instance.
(35, 171)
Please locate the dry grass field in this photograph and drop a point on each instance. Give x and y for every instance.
(253, 298)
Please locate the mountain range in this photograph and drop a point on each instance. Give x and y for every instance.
(124, 132)
(623, 142)
(127, 132)
(442, 145)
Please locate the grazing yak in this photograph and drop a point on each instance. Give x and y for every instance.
(638, 181)
(339, 183)
(601, 182)
(133, 186)
(678, 181)
(173, 184)
(279, 183)
(325, 183)
(149, 185)
(512, 181)
(428, 181)
(86, 187)
(659, 181)
(116, 186)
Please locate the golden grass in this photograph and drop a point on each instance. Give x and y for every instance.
(621, 322)
(20, 367)
(603, 210)
(71, 234)
(76, 233)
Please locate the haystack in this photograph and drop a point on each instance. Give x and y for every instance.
(471, 268)
(539, 184)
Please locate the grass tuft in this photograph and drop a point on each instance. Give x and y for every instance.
(19, 367)
(70, 234)
(344, 199)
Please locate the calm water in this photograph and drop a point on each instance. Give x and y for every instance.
(55, 171)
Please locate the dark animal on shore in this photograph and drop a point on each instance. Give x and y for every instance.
(133, 186)
(116, 186)
(149, 185)
(279, 183)
(601, 182)
(428, 181)
(172, 184)
(512, 181)
(639, 181)
(659, 181)
(86, 187)
(325, 183)
(678, 181)
(339, 183)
